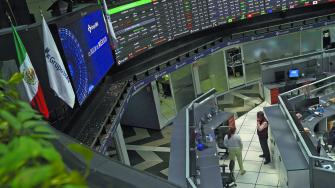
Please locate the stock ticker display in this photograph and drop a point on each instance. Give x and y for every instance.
(143, 24)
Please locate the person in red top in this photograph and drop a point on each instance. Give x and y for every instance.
(262, 132)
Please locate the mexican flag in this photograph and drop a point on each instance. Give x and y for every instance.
(30, 80)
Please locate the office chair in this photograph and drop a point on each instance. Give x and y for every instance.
(220, 133)
(228, 178)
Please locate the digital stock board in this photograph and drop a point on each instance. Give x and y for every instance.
(143, 24)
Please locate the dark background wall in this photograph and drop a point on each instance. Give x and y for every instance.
(141, 111)
(19, 11)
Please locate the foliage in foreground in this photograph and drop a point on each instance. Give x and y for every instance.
(27, 156)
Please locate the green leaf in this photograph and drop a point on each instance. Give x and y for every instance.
(85, 153)
(33, 177)
(25, 115)
(20, 150)
(10, 119)
(3, 125)
(44, 129)
(43, 136)
(3, 82)
(51, 154)
(3, 149)
(82, 150)
(13, 94)
(72, 179)
(31, 124)
(25, 105)
(2, 94)
(16, 78)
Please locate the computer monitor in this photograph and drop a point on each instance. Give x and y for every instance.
(312, 101)
(293, 73)
(279, 76)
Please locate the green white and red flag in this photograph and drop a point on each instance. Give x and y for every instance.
(30, 80)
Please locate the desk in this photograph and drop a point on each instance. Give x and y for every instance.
(271, 91)
(321, 122)
(207, 160)
(285, 152)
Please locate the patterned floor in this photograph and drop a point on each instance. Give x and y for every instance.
(240, 101)
(149, 150)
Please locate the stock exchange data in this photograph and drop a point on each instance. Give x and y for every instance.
(143, 24)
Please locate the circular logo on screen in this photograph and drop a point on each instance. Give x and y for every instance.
(76, 63)
(29, 76)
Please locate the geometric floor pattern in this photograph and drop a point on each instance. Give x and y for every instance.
(257, 174)
(149, 150)
(240, 101)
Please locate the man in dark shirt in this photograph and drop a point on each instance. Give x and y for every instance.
(331, 139)
(262, 132)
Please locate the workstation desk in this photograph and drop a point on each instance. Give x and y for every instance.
(272, 90)
(317, 125)
(208, 159)
(208, 172)
(290, 144)
(286, 155)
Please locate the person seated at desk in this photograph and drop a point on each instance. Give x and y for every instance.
(234, 144)
(299, 116)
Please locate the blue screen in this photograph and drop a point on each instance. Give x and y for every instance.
(88, 52)
(294, 73)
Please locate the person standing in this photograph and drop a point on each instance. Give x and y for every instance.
(262, 132)
(234, 144)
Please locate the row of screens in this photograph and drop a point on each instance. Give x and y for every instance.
(87, 51)
(143, 24)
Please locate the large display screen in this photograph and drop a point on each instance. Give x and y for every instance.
(88, 52)
(143, 24)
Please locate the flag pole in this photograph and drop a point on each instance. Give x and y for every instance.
(9, 18)
(11, 11)
(41, 11)
(110, 26)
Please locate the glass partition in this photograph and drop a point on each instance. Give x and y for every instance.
(272, 49)
(182, 87)
(252, 71)
(167, 107)
(212, 73)
(311, 41)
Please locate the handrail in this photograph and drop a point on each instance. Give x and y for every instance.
(307, 85)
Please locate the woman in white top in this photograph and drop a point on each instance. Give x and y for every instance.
(234, 144)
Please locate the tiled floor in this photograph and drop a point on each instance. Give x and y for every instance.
(258, 175)
(149, 150)
(240, 101)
